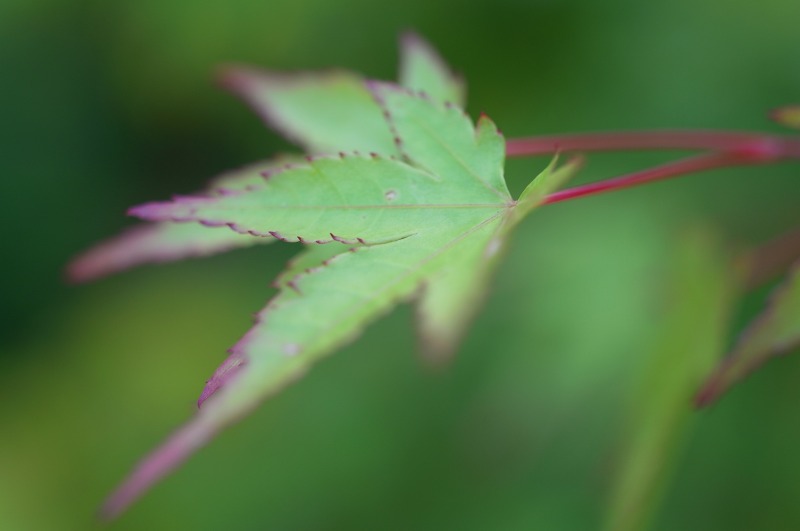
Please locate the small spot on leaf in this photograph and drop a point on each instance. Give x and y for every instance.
(291, 349)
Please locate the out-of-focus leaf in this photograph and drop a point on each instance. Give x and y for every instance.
(701, 294)
(422, 68)
(776, 331)
(403, 223)
(323, 112)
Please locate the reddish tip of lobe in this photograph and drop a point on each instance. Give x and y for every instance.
(228, 369)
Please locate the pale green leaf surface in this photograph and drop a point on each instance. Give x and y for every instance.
(354, 199)
(369, 199)
(431, 221)
(774, 332)
(475, 156)
(693, 330)
(310, 257)
(422, 68)
(323, 112)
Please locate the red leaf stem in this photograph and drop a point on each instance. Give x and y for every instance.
(723, 149)
(706, 161)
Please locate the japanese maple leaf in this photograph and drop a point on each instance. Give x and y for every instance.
(422, 211)
(323, 112)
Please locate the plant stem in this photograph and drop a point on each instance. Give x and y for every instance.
(698, 163)
(723, 149)
(651, 140)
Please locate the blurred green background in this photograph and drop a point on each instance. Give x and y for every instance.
(107, 104)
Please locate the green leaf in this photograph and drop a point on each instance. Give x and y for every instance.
(352, 200)
(776, 331)
(422, 68)
(442, 212)
(475, 156)
(692, 333)
(311, 257)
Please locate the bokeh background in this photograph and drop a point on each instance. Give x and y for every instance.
(106, 104)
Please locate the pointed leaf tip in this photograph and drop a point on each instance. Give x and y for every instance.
(236, 79)
(148, 211)
(224, 373)
(548, 181)
(411, 39)
(180, 445)
(708, 394)
(422, 68)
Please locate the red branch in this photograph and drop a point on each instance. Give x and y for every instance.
(651, 140)
(723, 149)
(703, 162)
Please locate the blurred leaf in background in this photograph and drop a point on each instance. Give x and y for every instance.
(107, 104)
(700, 294)
(775, 331)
